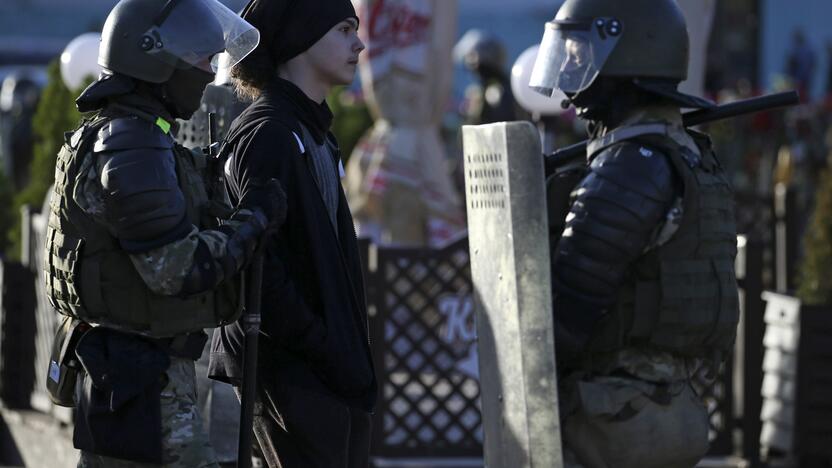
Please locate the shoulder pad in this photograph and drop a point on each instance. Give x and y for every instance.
(132, 132)
(144, 205)
(639, 168)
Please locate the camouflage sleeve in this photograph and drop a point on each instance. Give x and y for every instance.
(164, 269)
(202, 259)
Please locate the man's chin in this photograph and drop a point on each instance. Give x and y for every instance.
(346, 79)
(348, 74)
(343, 79)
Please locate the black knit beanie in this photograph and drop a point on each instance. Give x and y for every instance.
(290, 27)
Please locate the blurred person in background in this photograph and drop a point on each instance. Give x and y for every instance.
(137, 261)
(490, 99)
(801, 62)
(19, 97)
(800, 161)
(315, 380)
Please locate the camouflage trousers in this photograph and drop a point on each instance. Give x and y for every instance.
(615, 422)
(184, 441)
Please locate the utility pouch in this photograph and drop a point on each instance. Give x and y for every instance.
(119, 408)
(64, 366)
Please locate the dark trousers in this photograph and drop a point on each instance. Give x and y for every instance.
(298, 423)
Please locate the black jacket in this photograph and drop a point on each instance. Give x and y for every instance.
(313, 306)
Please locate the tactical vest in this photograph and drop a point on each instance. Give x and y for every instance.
(89, 276)
(681, 296)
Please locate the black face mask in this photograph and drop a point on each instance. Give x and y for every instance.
(595, 103)
(609, 100)
(183, 92)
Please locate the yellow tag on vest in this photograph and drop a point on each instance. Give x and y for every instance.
(163, 124)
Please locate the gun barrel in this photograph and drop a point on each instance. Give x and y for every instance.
(212, 130)
(572, 153)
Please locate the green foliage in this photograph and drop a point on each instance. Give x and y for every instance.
(815, 278)
(352, 119)
(56, 114)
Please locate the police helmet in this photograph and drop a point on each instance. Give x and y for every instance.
(149, 39)
(478, 49)
(612, 38)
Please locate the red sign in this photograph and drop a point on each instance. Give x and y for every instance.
(395, 25)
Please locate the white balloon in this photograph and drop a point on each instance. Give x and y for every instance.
(529, 99)
(79, 60)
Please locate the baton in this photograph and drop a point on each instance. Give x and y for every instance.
(572, 154)
(212, 132)
(251, 327)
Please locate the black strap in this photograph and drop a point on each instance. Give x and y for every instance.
(188, 346)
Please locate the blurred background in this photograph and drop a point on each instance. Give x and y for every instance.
(464, 62)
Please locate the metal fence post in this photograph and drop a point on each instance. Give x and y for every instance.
(26, 235)
(748, 358)
(787, 229)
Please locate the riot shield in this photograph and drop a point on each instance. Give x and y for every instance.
(509, 246)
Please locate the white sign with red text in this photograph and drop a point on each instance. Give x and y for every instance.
(396, 33)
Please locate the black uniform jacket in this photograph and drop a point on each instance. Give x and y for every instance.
(314, 310)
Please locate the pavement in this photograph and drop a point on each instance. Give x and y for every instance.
(32, 439)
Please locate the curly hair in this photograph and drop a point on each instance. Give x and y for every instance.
(251, 76)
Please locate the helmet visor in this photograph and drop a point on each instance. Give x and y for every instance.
(572, 55)
(197, 31)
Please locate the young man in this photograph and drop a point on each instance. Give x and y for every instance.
(316, 383)
(133, 253)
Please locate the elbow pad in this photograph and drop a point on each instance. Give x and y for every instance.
(144, 206)
(616, 210)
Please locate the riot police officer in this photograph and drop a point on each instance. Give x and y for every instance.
(490, 100)
(135, 257)
(644, 291)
